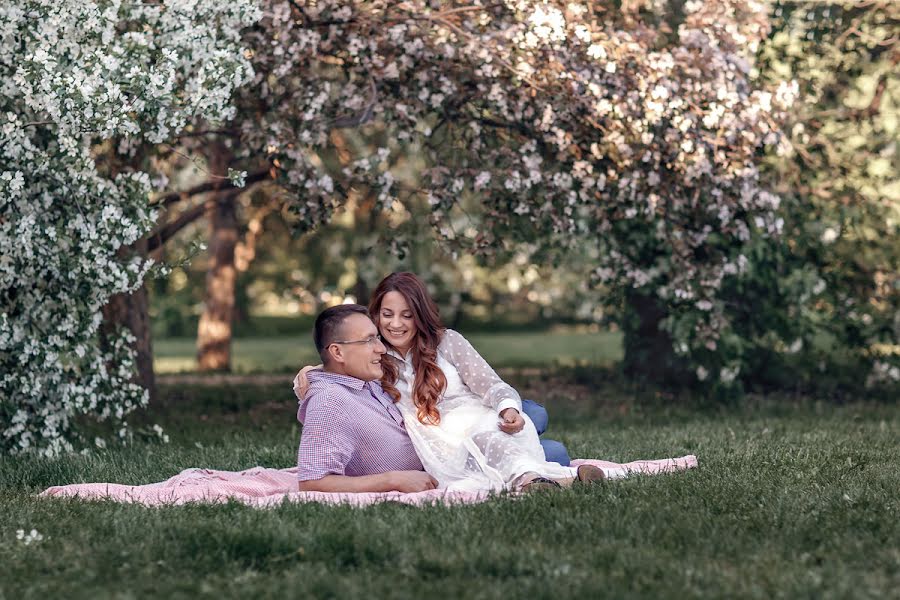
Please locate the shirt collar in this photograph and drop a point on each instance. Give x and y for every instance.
(345, 380)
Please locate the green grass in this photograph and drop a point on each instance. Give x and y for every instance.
(792, 499)
(286, 354)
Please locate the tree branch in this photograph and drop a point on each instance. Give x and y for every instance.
(203, 132)
(208, 186)
(166, 232)
(365, 115)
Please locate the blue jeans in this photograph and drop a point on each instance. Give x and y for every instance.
(553, 450)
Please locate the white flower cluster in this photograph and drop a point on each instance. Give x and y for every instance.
(74, 75)
(29, 537)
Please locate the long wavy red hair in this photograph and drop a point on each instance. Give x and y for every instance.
(430, 381)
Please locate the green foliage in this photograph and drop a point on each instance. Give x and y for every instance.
(822, 306)
(790, 500)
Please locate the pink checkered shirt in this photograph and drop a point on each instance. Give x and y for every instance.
(351, 427)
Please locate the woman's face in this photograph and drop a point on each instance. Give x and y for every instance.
(395, 321)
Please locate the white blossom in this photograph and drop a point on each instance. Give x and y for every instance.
(29, 537)
(75, 73)
(829, 235)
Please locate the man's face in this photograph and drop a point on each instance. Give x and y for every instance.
(361, 360)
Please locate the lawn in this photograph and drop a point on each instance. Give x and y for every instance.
(792, 499)
(285, 354)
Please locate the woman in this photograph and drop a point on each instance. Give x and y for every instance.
(466, 424)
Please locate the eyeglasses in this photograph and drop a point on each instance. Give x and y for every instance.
(369, 341)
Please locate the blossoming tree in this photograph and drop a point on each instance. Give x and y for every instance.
(635, 130)
(80, 79)
(559, 124)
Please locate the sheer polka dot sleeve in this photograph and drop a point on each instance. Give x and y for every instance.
(477, 374)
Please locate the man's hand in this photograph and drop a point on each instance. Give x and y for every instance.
(392, 481)
(511, 421)
(412, 481)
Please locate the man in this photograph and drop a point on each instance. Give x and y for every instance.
(353, 436)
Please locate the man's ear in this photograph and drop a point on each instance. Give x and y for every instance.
(336, 353)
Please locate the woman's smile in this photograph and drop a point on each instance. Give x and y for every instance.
(396, 321)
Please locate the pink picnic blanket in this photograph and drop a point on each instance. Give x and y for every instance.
(261, 487)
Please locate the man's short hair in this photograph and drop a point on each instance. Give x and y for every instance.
(328, 326)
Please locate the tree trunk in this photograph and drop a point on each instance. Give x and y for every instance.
(214, 330)
(245, 250)
(361, 289)
(649, 356)
(456, 310)
(366, 217)
(132, 311)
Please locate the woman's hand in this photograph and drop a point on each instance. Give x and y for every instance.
(301, 382)
(511, 421)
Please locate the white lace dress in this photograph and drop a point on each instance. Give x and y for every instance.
(467, 450)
